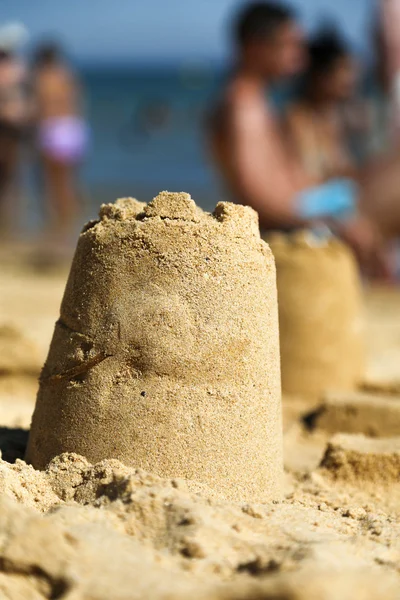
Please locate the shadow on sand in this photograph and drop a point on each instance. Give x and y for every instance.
(13, 443)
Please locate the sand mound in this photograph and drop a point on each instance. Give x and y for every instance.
(44, 554)
(320, 314)
(47, 558)
(372, 415)
(356, 458)
(390, 388)
(166, 352)
(32, 488)
(107, 531)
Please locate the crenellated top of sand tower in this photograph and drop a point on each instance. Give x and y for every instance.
(237, 217)
(179, 206)
(122, 209)
(172, 205)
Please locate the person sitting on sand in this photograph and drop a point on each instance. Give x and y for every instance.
(316, 122)
(258, 166)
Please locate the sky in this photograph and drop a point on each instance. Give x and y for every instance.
(160, 31)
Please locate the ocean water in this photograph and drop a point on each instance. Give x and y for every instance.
(147, 134)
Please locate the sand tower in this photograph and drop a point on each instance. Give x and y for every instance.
(320, 314)
(166, 352)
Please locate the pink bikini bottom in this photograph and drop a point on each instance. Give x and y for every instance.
(64, 139)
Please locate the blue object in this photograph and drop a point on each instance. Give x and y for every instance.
(336, 199)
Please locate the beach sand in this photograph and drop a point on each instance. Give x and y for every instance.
(105, 531)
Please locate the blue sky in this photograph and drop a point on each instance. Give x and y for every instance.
(160, 30)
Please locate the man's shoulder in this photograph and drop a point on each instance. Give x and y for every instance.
(245, 105)
(238, 93)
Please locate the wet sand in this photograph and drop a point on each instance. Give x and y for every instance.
(106, 531)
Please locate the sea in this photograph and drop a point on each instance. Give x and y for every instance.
(148, 133)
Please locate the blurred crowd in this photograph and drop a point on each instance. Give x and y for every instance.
(298, 169)
(315, 164)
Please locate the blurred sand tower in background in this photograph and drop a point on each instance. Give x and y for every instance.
(320, 314)
(166, 353)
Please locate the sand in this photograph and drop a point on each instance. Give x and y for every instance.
(166, 351)
(101, 530)
(375, 415)
(320, 314)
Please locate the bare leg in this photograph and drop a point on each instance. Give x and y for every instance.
(8, 167)
(61, 193)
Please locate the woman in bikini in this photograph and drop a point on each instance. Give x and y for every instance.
(316, 124)
(62, 133)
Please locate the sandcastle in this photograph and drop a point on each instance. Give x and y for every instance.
(320, 314)
(166, 352)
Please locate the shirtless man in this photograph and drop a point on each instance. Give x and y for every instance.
(389, 33)
(246, 141)
(249, 148)
(62, 133)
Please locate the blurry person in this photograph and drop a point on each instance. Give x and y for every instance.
(261, 170)
(246, 140)
(316, 123)
(13, 122)
(62, 133)
(389, 57)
